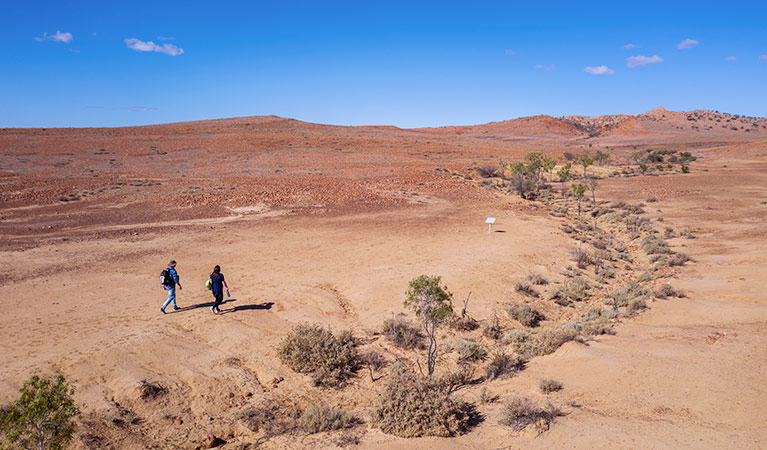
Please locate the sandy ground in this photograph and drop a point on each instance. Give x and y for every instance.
(687, 373)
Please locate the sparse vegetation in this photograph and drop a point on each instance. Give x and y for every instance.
(537, 279)
(667, 290)
(502, 364)
(469, 350)
(402, 333)
(431, 303)
(575, 290)
(525, 289)
(324, 418)
(312, 349)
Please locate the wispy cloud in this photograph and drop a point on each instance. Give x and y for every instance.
(164, 38)
(599, 70)
(730, 58)
(687, 43)
(124, 108)
(149, 46)
(636, 61)
(58, 36)
(542, 67)
(629, 46)
(763, 57)
(509, 52)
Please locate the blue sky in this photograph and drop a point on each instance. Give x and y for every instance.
(410, 64)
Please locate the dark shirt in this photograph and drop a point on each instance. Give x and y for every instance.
(217, 282)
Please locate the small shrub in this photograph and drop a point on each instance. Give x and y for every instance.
(537, 279)
(324, 418)
(502, 364)
(487, 397)
(493, 330)
(311, 349)
(487, 171)
(596, 321)
(525, 289)
(42, 417)
(402, 333)
(678, 259)
(637, 305)
(524, 314)
(667, 291)
(271, 417)
(519, 412)
(413, 406)
(574, 290)
(550, 340)
(469, 351)
(652, 245)
(582, 258)
(621, 297)
(548, 386)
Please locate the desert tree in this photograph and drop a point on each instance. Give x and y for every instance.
(548, 165)
(431, 303)
(42, 417)
(564, 175)
(592, 184)
(579, 189)
(585, 160)
(601, 157)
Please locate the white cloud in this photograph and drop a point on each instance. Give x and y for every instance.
(730, 58)
(56, 37)
(542, 67)
(149, 46)
(509, 52)
(763, 57)
(630, 46)
(687, 43)
(599, 70)
(636, 61)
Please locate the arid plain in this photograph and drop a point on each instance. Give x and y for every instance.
(327, 224)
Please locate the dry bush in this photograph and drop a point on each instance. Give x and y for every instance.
(413, 406)
(454, 379)
(622, 296)
(502, 364)
(524, 314)
(493, 329)
(596, 321)
(637, 305)
(525, 289)
(548, 386)
(312, 349)
(537, 279)
(324, 418)
(667, 291)
(469, 350)
(487, 397)
(487, 171)
(271, 417)
(653, 245)
(573, 290)
(645, 277)
(402, 333)
(464, 323)
(550, 340)
(678, 259)
(519, 412)
(582, 258)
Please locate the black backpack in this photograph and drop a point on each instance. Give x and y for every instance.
(165, 278)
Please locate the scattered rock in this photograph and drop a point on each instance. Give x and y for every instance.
(247, 394)
(178, 421)
(207, 418)
(212, 441)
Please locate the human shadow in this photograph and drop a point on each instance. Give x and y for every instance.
(265, 305)
(200, 305)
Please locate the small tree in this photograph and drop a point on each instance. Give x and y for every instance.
(585, 161)
(564, 175)
(548, 165)
(42, 417)
(579, 189)
(592, 187)
(432, 305)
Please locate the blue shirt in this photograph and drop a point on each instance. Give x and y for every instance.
(173, 275)
(217, 283)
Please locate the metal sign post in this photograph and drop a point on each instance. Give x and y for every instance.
(490, 221)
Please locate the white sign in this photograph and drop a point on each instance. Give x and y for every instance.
(490, 221)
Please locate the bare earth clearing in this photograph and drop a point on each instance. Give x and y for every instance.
(314, 223)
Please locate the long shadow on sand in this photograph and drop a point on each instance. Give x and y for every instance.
(200, 305)
(265, 305)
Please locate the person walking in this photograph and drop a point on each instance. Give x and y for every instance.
(170, 280)
(217, 284)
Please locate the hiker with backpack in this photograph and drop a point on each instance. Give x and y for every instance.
(169, 280)
(216, 286)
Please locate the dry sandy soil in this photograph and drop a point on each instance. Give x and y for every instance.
(315, 223)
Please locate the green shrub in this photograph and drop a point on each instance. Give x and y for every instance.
(573, 290)
(312, 349)
(42, 417)
(621, 297)
(412, 406)
(324, 418)
(524, 314)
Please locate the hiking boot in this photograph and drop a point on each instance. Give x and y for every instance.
(176, 308)
(213, 309)
(163, 310)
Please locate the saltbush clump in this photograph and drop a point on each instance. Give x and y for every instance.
(504, 364)
(312, 349)
(519, 412)
(324, 418)
(525, 314)
(548, 386)
(595, 321)
(402, 333)
(469, 350)
(412, 405)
